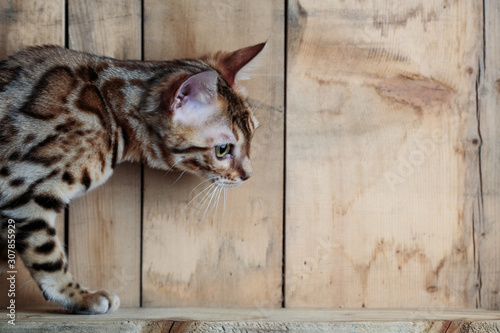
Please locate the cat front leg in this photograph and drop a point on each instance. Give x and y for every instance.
(43, 254)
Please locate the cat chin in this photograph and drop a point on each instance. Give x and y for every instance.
(226, 184)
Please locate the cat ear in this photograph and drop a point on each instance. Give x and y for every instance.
(194, 98)
(229, 64)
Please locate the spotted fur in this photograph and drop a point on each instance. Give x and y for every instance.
(68, 118)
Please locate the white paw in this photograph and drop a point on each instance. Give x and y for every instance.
(115, 303)
(98, 302)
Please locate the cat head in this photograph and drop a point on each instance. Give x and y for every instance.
(204, 120)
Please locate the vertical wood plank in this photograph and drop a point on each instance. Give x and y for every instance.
(488, 232)
(382, 156)
(22, 24)
(104, 225)
(234, 259)
(26, 23)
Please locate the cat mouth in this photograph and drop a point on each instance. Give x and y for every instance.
(226, 183)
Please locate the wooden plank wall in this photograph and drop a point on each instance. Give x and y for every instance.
(390, 197)
(382, 118)
(488, 230)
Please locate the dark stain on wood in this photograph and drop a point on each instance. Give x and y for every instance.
(417, 92)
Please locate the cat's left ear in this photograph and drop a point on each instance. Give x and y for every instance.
(230, 64)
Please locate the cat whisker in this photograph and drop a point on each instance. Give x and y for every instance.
(224, 208)
(203, 182)
(168, 171)
(26, 284)
(208, 187)
(267, 96)
(209, 203)
(210, 200)
(183, 172)
(217, 200)
(205, 198)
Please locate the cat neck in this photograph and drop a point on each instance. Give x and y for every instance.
(126, 88)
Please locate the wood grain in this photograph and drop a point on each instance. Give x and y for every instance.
(105, 224)
(22, 24)
(488, 230)
(383, 178)
(247, 320)
(26, 23)
(233, 258)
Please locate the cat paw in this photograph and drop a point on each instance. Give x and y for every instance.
(97, 302)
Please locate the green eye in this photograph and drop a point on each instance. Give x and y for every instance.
(222, 150)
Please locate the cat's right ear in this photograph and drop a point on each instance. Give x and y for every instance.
(194, 100)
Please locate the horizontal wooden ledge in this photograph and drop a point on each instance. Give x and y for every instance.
(255, 320)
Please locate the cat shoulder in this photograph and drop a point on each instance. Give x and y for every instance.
(39, 51)
(34, 55)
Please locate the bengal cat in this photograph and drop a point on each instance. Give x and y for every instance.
(68, 118)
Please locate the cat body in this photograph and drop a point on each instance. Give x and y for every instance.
(68, 118)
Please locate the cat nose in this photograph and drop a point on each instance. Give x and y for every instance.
(246, 176)
(245, 169)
